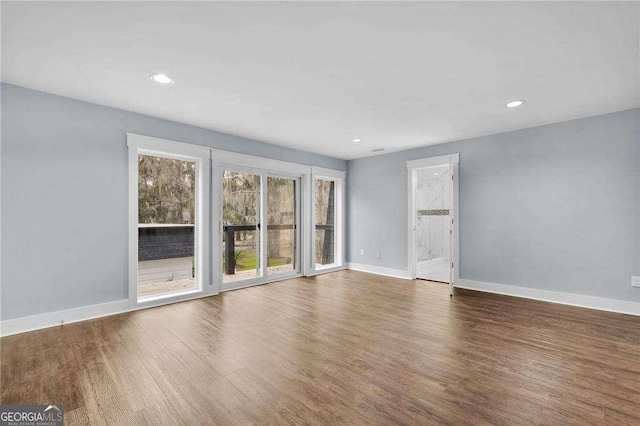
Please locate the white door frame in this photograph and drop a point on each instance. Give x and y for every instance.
(453, 160)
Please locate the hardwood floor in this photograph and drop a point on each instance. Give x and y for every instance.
(346, 347)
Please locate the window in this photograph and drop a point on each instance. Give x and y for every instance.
(203, 221)
(325, 213)
(168, 194)
(166, 224)
(327, 232)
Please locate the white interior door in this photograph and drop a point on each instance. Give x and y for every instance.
(453, 231)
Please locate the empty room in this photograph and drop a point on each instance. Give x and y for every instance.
(319, 212)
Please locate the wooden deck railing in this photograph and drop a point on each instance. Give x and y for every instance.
(176, 241)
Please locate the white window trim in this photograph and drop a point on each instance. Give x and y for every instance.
(338, 177)
(146, 145)
(263, 165)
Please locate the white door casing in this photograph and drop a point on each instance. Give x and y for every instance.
(412, 166)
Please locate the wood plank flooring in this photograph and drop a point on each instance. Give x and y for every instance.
(345, 347)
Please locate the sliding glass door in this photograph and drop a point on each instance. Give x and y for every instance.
(282, 225)
(260, 227)
(241, 201)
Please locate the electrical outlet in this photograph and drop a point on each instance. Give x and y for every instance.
(361, 252)
(635, 281)
(378, 255)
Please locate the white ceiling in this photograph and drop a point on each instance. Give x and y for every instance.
(313, 76)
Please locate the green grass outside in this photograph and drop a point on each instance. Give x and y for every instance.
(246, 260)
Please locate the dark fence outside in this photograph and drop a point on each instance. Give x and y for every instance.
(172, 241)
(157, 241)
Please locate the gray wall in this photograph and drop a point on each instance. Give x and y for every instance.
(555, 207)
(64, 196)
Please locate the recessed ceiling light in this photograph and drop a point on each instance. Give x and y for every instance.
(356, 140)
(514, 104)
(435, 174)
(161, 78)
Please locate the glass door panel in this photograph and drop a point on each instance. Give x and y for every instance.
(282, 229)
(241, 253)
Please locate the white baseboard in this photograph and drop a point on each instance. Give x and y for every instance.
(52, 319)
(379, 270)
(583, 301)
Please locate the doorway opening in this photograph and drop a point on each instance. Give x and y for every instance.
(433, 223)
(433, 228)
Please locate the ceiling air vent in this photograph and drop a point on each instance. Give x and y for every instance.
(378, 150)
